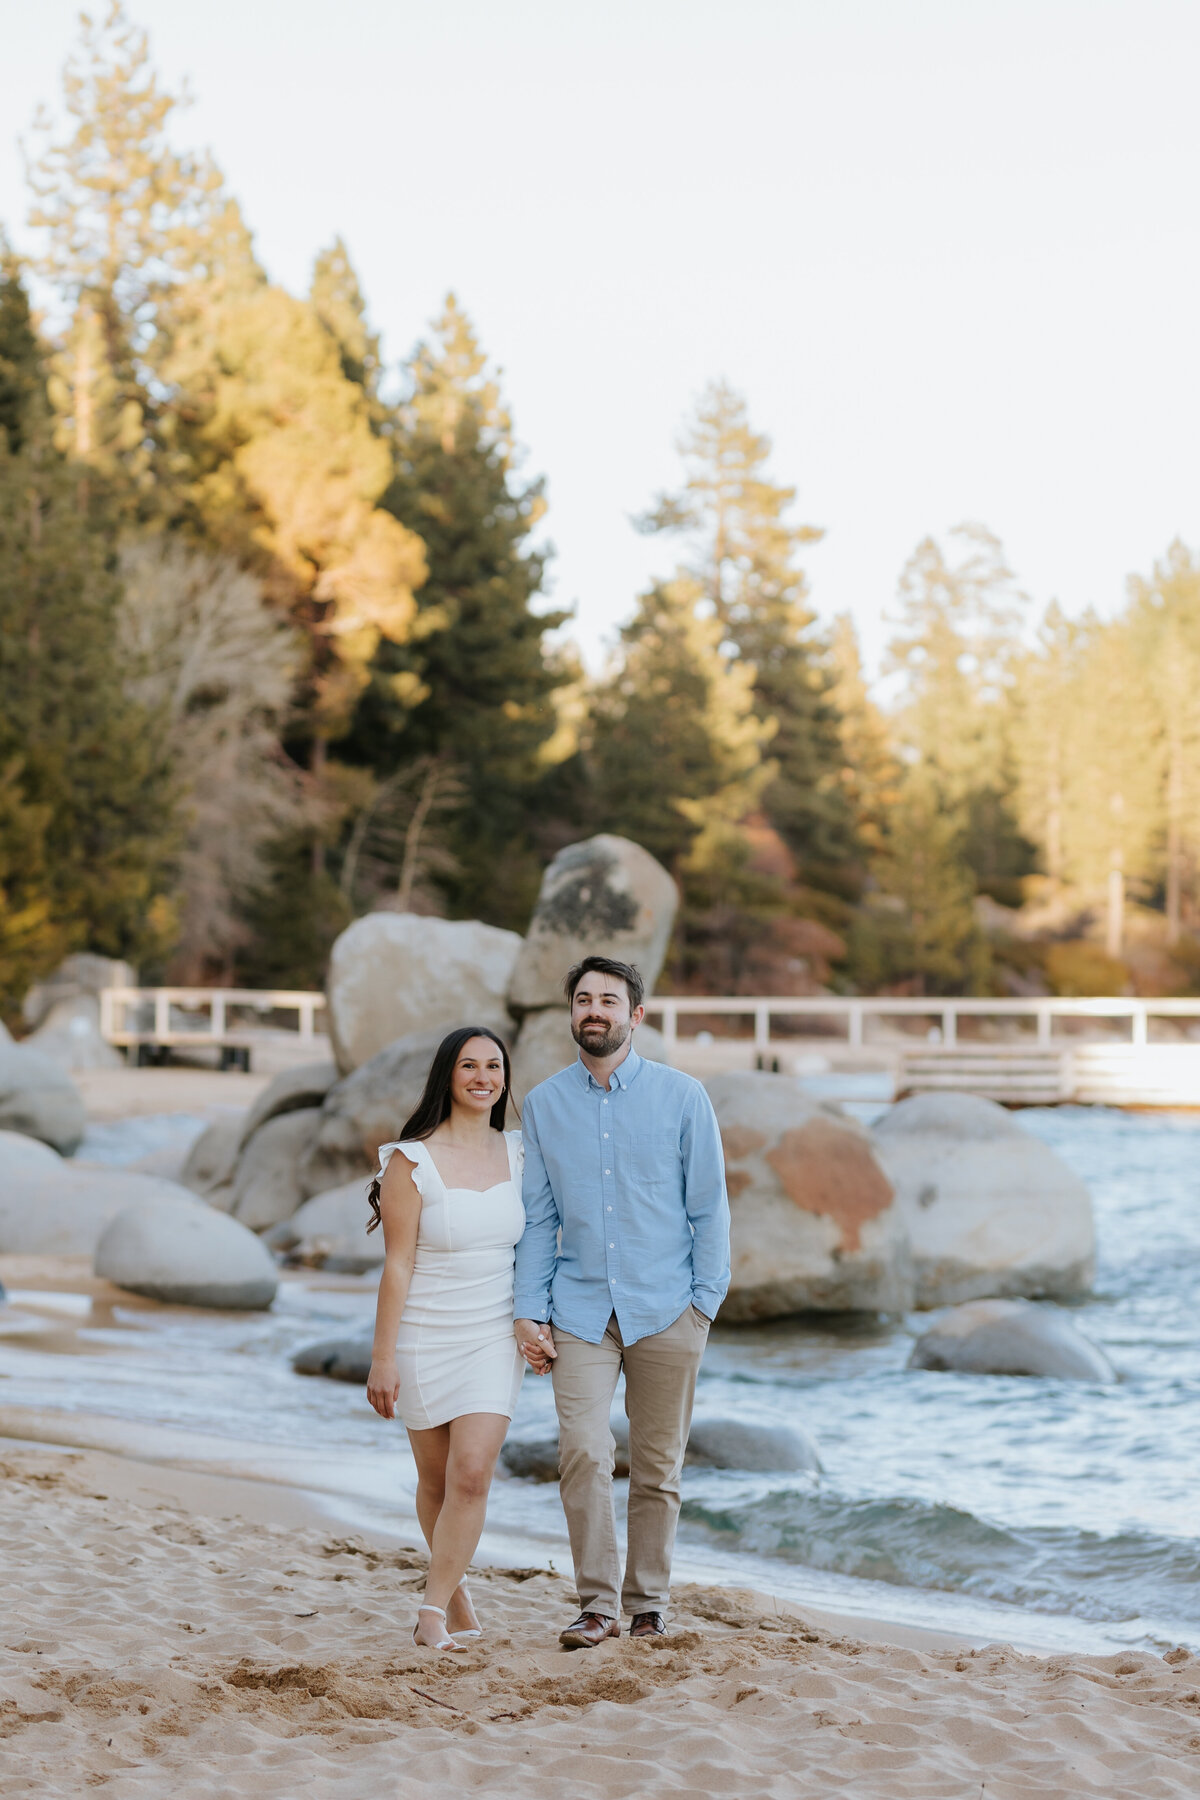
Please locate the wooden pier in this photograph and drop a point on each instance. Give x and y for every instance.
(148, 1023)
(1116, 1051)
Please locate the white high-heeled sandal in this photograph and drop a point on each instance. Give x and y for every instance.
(447, 1643)
(478, 1631)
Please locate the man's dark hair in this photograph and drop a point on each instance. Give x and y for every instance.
(605, 965)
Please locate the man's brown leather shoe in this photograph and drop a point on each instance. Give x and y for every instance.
(589, 1629)
(647, 1625)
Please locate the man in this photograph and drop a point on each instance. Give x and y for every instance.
(623, 1159)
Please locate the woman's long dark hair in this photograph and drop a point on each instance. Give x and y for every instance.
(434, 1104)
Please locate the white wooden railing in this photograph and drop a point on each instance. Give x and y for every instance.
(1115, 1049)
(852, 1016)
(179, 1016)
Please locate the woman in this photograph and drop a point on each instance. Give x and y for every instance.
(444, 1355)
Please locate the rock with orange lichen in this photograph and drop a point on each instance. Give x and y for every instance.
(814, 1222)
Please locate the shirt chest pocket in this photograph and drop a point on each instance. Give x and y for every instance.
(654, 1156)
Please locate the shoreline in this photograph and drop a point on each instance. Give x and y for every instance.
(206, 1636)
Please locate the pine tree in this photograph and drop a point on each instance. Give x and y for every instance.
(955, 646)
(22, 376)
(88, 809)
(337, 299)
(1165, 625)
(917, 930)
(673, 745)
(1045, 694)
(470, 693)
(126, 219)
(1112, 812)
(870, 772)
(741, 549)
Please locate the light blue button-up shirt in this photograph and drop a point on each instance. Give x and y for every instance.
(634, 1179)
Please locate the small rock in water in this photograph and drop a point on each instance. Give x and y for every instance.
(1010, 1337)
(732, 1444)
(341, 1359)
(712, 1444)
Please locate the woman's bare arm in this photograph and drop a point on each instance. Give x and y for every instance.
(400, 1210)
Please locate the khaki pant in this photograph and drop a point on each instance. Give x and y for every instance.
(660, 1385)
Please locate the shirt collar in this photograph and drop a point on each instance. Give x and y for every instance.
(622, 1076)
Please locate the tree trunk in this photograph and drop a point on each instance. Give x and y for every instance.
(1115, 932)
(1174, 838)
(410, 868)
(316, 767)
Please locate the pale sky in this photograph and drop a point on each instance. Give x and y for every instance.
(946, 248)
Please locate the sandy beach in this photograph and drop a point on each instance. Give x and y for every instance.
(184, 1617)
(171, 1634)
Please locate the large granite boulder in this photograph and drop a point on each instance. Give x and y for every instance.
(185, 1254)
(330, 1232)
(991, 1211)
(38, 1097)
(815, 1224)
(70, 1033)
(80, 975)
(291, 1090)
(544, 1046)
(209, 1167)
(366, 1109)
(266, 1183)
(1010, 1337)
(51, 1207)
(604, 897)
(393, 974)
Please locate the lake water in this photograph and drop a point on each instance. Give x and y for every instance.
(1047, 1514)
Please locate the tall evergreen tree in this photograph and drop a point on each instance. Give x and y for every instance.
(471, 690)
(1112, 813)
(1165, 623)
(86, 802)
(125, 219)
(741, 549)
(956, 646)
(673, 745)
(337, 299)
(22, 375)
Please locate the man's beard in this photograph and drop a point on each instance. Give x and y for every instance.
(598, 1039)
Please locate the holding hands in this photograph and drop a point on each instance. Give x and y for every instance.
(536, 1344)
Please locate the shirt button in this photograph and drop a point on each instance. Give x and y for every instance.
(608, 1209)
(605, 1103)
(612, 1246)
(606, 1134)
(608, 1171)
(612, 1281)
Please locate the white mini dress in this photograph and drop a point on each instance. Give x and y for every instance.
(455, 1351)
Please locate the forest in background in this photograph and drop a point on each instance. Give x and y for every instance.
(275, 651)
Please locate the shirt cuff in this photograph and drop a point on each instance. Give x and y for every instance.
(707, 1301)
(532, 1306)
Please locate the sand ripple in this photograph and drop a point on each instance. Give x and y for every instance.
(149, 1652)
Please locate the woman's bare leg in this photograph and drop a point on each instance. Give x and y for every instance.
(475, 1441)
(430, 1450)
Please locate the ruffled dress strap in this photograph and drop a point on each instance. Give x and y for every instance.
(414, 1151)
(516, 1154)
